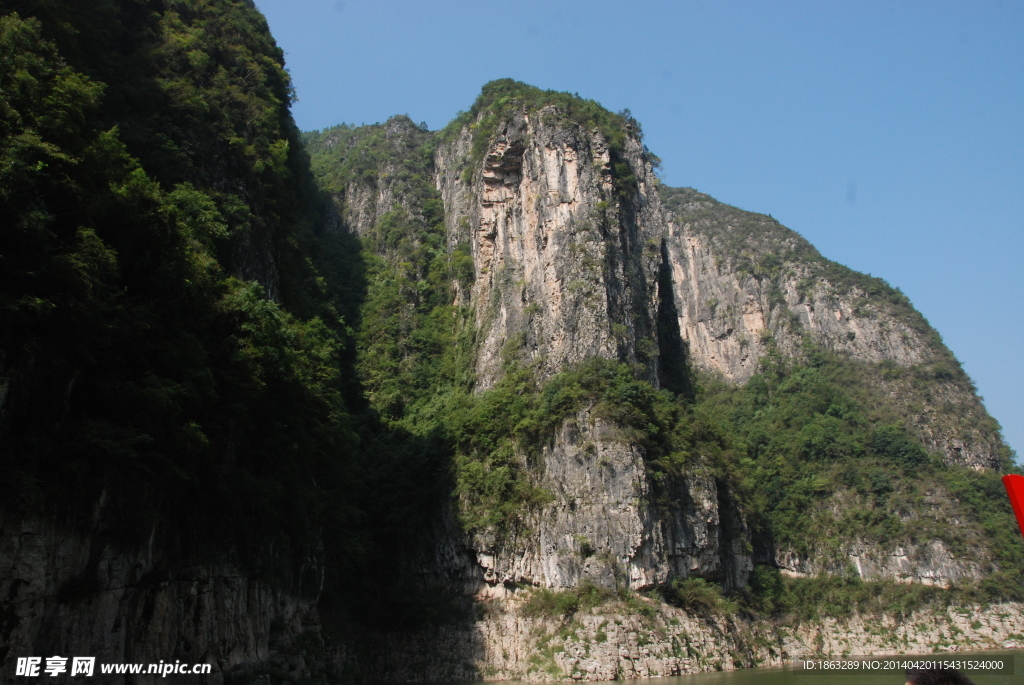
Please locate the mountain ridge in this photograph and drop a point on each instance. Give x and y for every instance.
(298, 406)
(720, 499)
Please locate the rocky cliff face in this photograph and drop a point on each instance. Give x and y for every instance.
(930, 563)
(618, 642)
(565, 270)
(741, 279)
(742, 283)
(569, 265)
(69, 593)
(603, 526)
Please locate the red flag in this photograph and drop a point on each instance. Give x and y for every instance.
(1015, 489)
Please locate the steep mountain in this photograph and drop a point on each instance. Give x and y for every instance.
(171, 414)
(643, 390)
(743, 282)
(387, 403)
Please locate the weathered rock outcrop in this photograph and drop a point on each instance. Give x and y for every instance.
(603, 525)
(69, 594)
(929, 563)
(615, 642)
(730, 304)
(565, 269)
(569, 265)
(742, 282)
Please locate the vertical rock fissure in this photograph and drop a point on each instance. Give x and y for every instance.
(673, 356)
(733, 545)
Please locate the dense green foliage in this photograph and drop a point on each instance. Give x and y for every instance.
(698, 596)
(543, 602)
(186, 347)
(564, 604)
(148, 387)
(825, 460)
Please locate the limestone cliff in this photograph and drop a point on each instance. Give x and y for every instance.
(565, 270)
(604, 527)
(742, 282)
(572, 263)
(621, 642)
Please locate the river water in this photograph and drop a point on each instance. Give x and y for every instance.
(788, 676)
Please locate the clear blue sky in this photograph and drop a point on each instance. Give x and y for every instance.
(890, 134)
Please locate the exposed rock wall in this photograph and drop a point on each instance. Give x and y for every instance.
(565, 269)
(71, 594)
(614, 641)
(742, 282)
(928, 563)
(603, 525)
(725, 315)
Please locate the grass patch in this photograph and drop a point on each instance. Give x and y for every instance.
(546, 603)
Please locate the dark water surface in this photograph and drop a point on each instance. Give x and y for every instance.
(787, 676)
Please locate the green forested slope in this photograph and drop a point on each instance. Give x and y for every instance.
(188, 346)
(153, 192)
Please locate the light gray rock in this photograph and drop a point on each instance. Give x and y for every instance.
(613, 642)
(603, 525)
(742, 282)
(565, 270)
